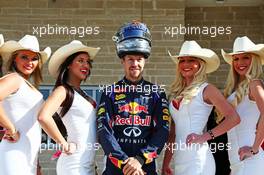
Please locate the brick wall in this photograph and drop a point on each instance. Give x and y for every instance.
(18, 17)
(244, 20)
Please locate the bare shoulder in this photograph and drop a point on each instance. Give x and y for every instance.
(12, 77)
(60, 90)
(210, 93)
(53, 102)
(10, 82)
(254, 84)
(57, 96)
(256, 90)
(210, 89)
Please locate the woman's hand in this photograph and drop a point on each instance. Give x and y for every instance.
(166, 171)
(196, 138)
(11, 136)
(245, 152)
(69, 148)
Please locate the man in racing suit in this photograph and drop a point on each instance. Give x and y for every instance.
(133, 116)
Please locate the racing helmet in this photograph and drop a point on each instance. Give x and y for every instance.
(133, 38)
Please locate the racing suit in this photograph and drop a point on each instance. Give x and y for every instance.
(133, 121)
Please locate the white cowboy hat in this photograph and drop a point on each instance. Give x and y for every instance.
(28, 42)
(193, 49)
(1, 40)
(60, 55)
(244, 45)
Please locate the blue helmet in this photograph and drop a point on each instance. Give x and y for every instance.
(133, 38)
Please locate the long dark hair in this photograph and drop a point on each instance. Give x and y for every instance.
(62, 81)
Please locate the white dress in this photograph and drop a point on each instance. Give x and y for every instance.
(244, 135)
(195, 159)
(80, 122)
(22, 108)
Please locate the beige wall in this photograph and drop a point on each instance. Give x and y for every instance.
(244, 20)
(18, 17)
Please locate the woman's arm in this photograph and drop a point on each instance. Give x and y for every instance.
(8, 85)
(257, 92)
(51, 105)
(213, 96)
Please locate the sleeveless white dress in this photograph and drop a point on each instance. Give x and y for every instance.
(80, 122)
(195, 159)
(244, 135)
(22, 108)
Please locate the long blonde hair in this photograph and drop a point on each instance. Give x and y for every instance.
(179, 89)
(241, 88)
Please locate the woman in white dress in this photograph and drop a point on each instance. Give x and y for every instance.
(245, 91)
(72, 64)
(191, 102)
(20, 104)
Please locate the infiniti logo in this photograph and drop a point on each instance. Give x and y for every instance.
(132, 131)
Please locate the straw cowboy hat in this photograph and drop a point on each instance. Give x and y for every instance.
(28, 42)
(60, 55)
(193, 49)
(244, 45)
(1, 40)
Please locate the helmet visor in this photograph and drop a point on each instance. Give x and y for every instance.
(134, 45)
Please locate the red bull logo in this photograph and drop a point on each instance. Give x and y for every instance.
(150, 156)
(118, 163)
(133, 108)
(133, 120)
